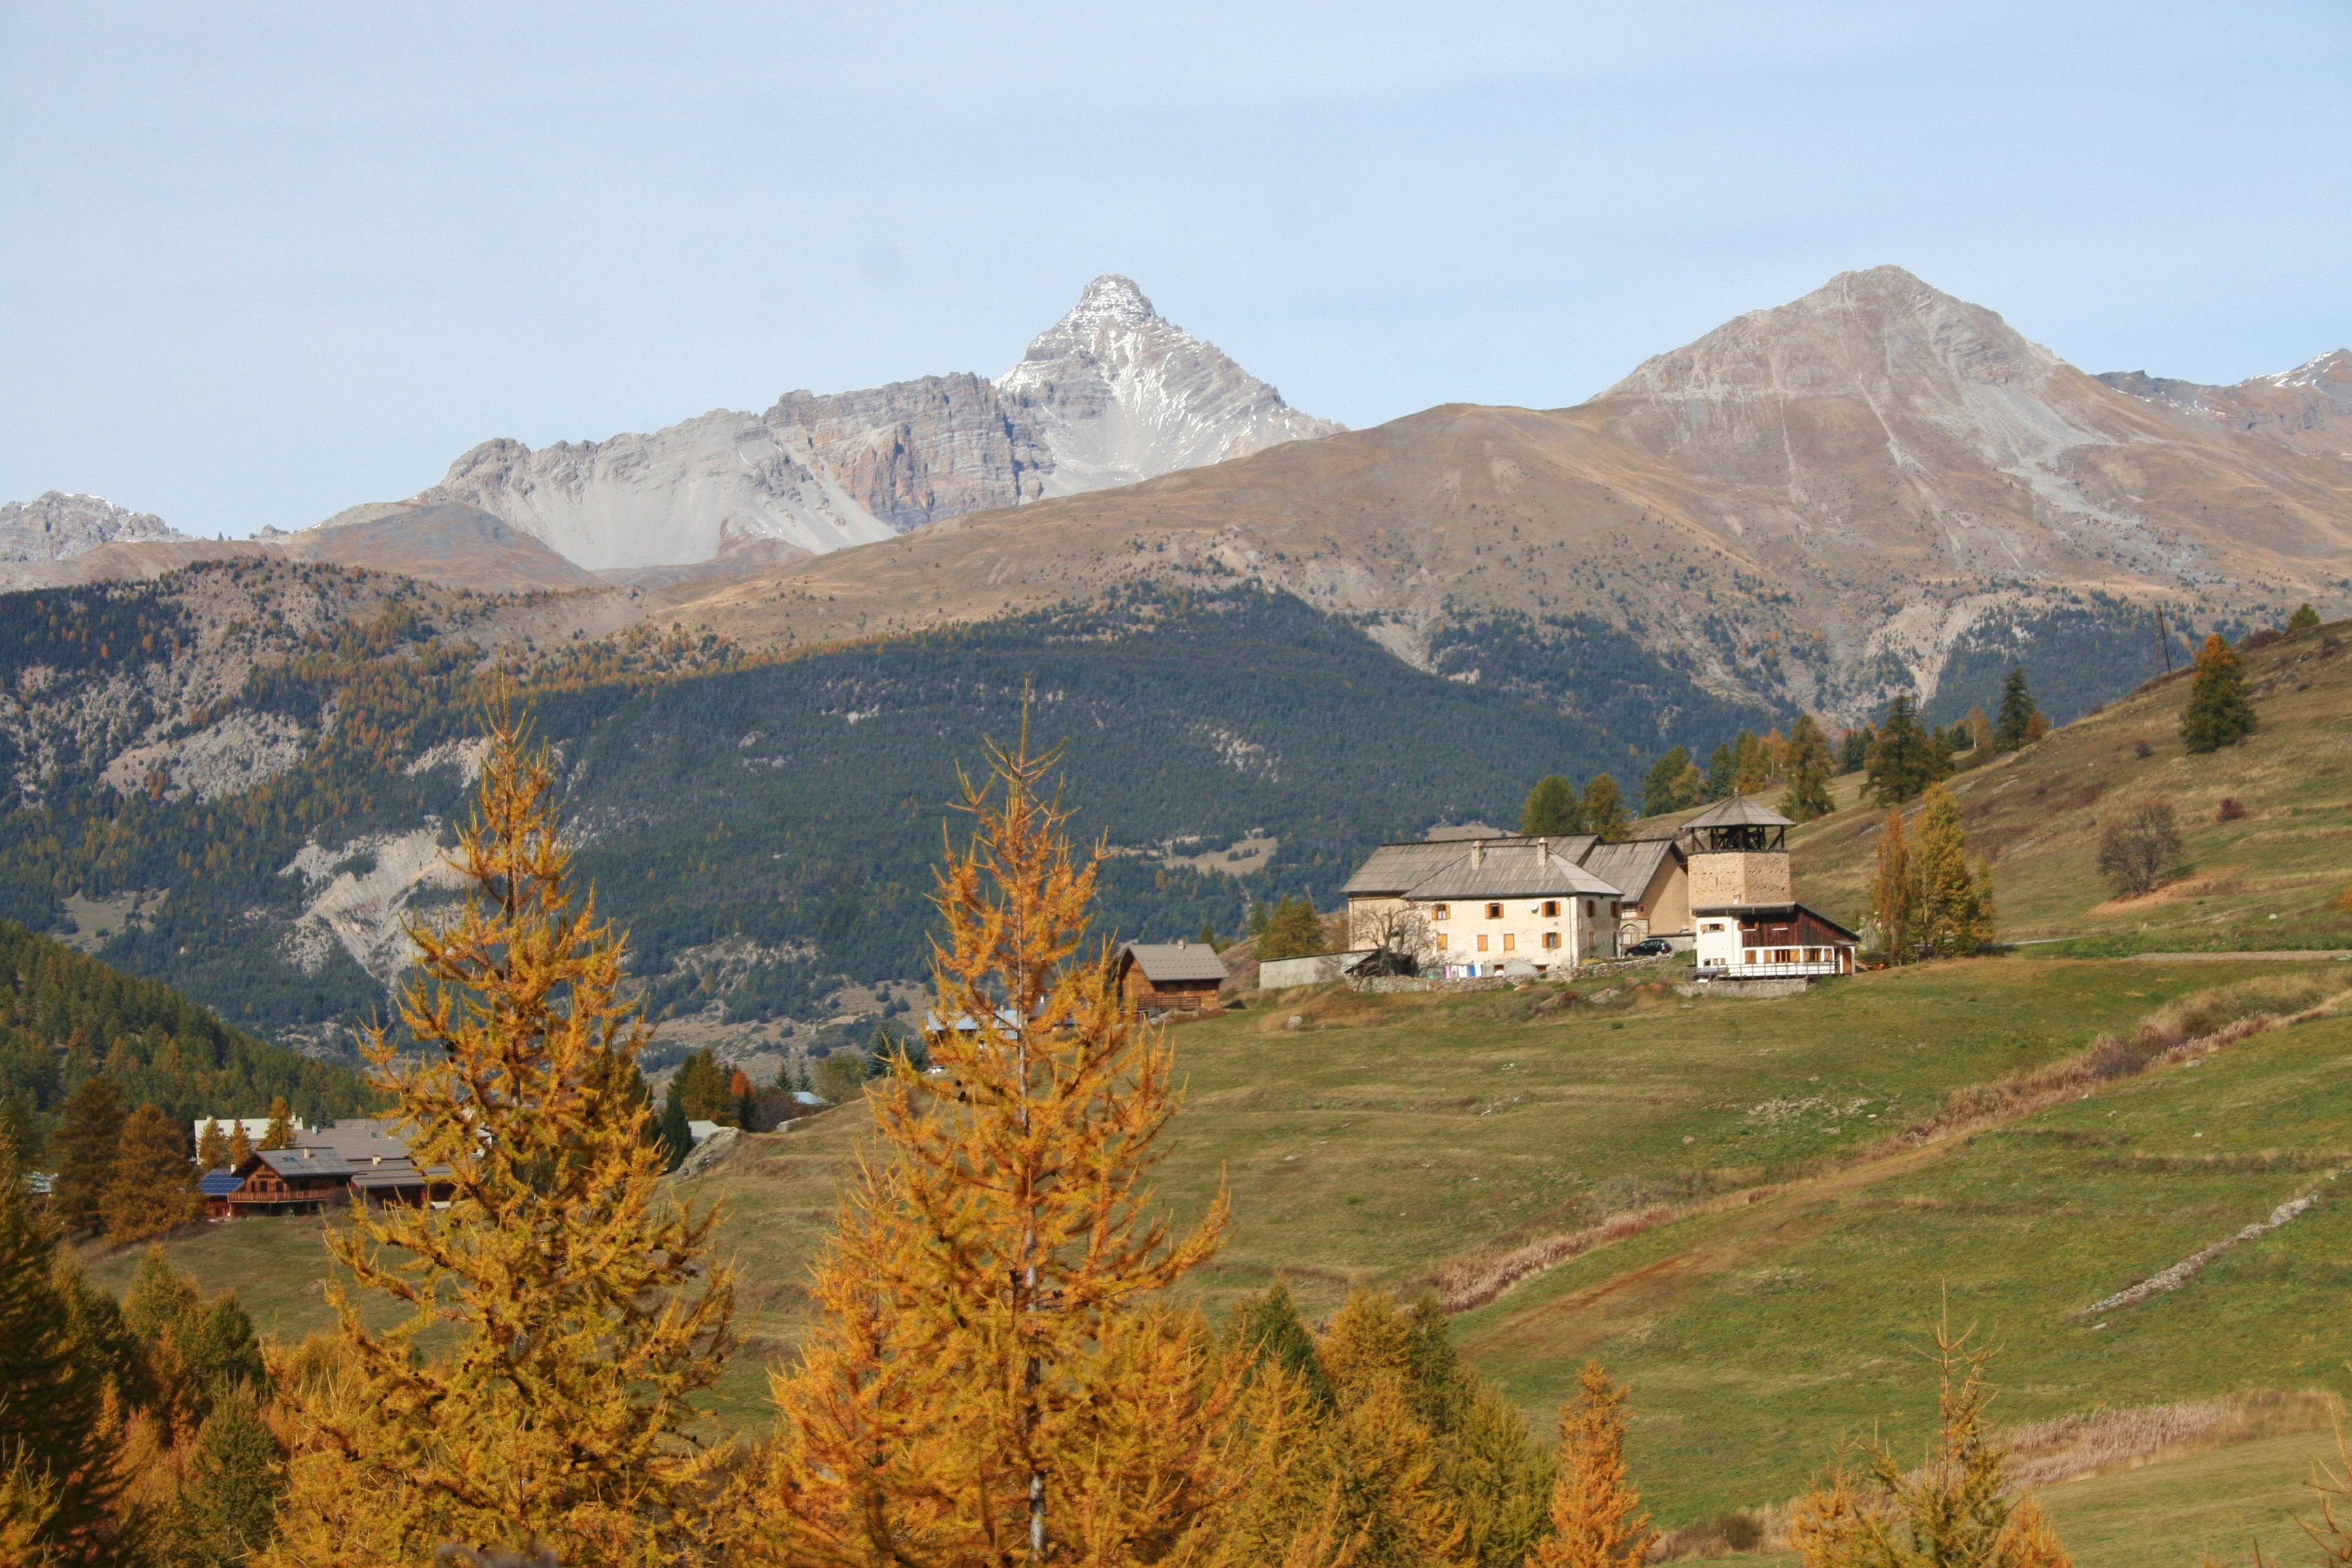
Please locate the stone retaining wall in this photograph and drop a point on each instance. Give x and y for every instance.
(1792, 985)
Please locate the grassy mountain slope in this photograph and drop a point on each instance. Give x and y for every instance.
(1387, 1137)
(2270, 879)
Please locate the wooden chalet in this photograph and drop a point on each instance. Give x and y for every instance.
(330, 1166)
(1170, 976)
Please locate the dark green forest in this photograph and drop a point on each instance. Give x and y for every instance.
(2076, 658)
(65, 1019)
(799, 805)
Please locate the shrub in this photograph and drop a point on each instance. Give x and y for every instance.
(2142, 749)
(2231, 810)
(2142, 850)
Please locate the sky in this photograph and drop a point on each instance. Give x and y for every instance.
(266, 262)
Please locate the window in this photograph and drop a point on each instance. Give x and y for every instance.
(1551, 939)
(1712, 925)
(1494, 912)
(1588, 908)
(1616, 908)
(1748, 956)
(1441, 942)
(1552, 909)
(1439, 911)
(1482, 942)
(1510, 942)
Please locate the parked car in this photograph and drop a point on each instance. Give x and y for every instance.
(1655, 947)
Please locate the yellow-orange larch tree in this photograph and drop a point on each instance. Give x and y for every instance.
(987, 1380)
(560, 1313)
(1959, 1507)
(1596, 1520)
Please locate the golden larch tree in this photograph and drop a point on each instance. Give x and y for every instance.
(985, 1380)
(153, 1190)
(1958, 1508)
(1596, 1520)
(1895, 895)
(572, 1315)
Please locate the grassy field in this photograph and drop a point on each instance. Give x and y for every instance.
(1385, 1136)
(1381, 1140)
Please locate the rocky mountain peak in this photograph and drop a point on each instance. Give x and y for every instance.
(57, 525)
(1859, 330)
(1119, 394)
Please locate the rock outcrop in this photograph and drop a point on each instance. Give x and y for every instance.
(2308, 408)
(58, 526)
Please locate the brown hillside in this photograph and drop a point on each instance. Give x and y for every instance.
(1869, 470)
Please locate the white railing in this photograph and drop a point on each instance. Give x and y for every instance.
(1765, 971)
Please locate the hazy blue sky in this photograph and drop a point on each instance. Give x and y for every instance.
(262, 263)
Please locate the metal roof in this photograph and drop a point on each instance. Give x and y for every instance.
(309, 1160)
(1393, 868)
(1161, 960)
(1458, 831)
(1513, 870)
(1629, 863)
(1740, 811)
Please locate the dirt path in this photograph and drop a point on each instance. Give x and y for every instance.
(1583, 1320)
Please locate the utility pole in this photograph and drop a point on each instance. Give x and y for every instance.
(2163, 642)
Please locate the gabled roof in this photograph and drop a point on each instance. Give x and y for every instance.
(1514, 868)
(309, 1160)
(1629, 863)
(1166, 961)
(1393, 868)
(1740, 811)
(1787, 908)
(1459, 832)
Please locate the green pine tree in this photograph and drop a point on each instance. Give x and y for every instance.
(1604, 808)
(1722, 773)
(1808, 795)
(1552, 809)
(2303, 620)
(228, 1513)
(2219, 710)
(1207, 936)
(1853, 749)
(91, 1128)
(1905, 758)
(56, 1444)
(1662, 785)
(1268, 1329)
(2017, 711)
(676, 1137)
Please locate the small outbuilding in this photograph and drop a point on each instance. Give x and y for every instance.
(1170, 976)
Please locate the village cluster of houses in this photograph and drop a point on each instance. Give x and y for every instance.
(1472, 904)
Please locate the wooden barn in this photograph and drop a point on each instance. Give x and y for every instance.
(1170, 976)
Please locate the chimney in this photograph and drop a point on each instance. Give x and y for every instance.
(1543, 851)
(1477, 853)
